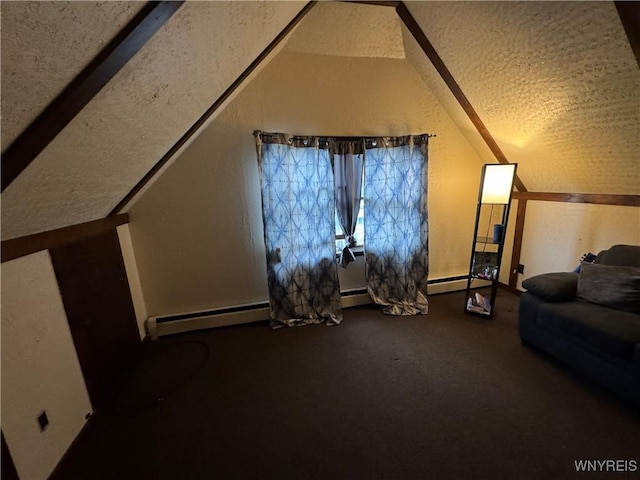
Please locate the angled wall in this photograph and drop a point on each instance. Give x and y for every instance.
(44, 45)
(136, 118)
(197, 232)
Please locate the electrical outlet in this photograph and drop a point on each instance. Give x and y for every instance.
(43, 421)
(520, 268)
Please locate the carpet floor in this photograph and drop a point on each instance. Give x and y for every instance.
(442, 396)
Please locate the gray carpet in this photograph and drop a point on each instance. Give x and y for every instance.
(442, 396)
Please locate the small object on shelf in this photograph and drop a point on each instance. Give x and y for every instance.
(498, 233)
(484, 265)
(479, 304)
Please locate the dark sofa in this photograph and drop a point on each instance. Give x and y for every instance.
(590, 319)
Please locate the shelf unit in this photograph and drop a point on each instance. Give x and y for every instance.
(492, 214)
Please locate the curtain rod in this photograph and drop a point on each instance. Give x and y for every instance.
(354, 137)
(374, 137)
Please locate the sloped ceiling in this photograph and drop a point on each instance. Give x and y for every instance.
(556, 84)
(349, 31)
(44, 45)
(101, 155)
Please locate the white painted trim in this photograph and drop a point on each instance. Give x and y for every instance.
(213, 320)
(446, 287)
(133, 277)
(354, 300)
(210, 319)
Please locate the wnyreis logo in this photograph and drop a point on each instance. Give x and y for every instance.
(606, 465)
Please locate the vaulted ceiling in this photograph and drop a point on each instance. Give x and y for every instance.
(556, 84)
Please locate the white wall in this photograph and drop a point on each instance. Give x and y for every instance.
(40, 369)
(197, 231)
(557, 234)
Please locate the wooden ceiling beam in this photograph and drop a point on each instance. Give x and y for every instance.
(84, 87)
(629, 13)
(596, 198)
(21, 246)
(429, 50)
(373, 2)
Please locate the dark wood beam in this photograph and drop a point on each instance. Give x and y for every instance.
(629, 13)
(9, 471)
(21, 246)
(597, 198)
(212, 109)
(372, 2)
(429, 50)
(93, 284)
(517, 243)
(55, 117)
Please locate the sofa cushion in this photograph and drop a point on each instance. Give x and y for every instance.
(553, 287)
(611, 286)
(628, 255)
(604, 329)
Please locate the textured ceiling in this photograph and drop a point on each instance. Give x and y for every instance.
(43, 49)
(556, 83)
(114, 141)
(338, 28)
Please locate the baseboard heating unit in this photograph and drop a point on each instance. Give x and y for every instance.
(256, 312)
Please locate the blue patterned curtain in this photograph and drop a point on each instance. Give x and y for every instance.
(299, 229)
(396, 223)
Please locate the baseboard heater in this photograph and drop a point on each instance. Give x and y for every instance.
(256, 312)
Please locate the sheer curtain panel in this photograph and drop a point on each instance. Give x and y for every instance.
(348, 161)
(298, 208)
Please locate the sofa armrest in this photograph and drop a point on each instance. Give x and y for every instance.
(553, 287)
